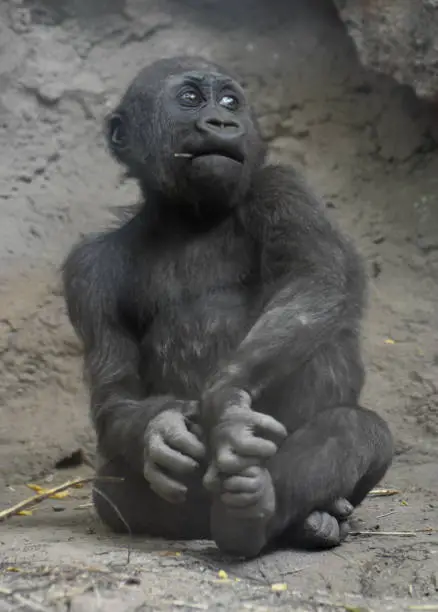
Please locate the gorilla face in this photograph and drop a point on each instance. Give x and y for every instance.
(185, 131)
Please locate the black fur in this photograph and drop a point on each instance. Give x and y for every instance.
(221, 329)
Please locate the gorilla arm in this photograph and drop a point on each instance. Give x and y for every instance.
(330, 457)
(314, 284)
(149, 433)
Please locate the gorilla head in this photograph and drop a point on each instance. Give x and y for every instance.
(185, 131)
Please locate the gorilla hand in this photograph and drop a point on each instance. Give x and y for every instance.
(172, 451)
(240, 438)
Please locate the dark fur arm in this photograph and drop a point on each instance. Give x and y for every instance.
(120, 409)
(313, 277)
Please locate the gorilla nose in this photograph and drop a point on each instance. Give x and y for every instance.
(224, 128)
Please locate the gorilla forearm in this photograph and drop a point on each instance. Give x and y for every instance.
(121, 422)
(298, 319)
(120, 408)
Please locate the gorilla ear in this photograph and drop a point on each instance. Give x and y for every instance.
(117, 132)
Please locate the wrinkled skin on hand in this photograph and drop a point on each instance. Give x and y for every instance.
(173, 450)
(249, 494)
(241, 438)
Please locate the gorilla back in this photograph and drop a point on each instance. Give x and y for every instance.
(221, 328)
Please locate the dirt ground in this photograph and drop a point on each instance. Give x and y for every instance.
(369, 148)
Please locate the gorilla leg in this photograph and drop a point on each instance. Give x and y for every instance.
(148, 514)
(320, 472)
(144, 511)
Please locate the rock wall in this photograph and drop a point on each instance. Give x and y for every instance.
(398, 38)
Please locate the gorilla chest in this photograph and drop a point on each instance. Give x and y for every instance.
(200, 295)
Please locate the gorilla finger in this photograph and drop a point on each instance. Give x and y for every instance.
(250, 446)
(168, 489)
(255, 471)
(344, 530)
(170, 495)
(241, 484)
(174, 461)
(228, 462)
(191, 412)
(212, 480)
(269, 427)
(196, 430)
(187, 443)
(240, 500)
(329, 526)
(240, 400)
(340, 509)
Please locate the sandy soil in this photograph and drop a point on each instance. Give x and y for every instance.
(368, 146)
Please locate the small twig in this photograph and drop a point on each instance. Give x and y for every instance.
(344, 557)
(186, 155)
(90, 505)
(383, 492)
(402, 534)
(121, 517)
(30, 502)
(186, 604)
(386, 514)
(297, 570)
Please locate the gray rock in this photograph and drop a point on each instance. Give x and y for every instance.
(398, 38)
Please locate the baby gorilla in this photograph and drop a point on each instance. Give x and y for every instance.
(220, 327)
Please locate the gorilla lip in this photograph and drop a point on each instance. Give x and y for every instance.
(235, 155)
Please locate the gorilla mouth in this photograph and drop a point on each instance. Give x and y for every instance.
(225, 150)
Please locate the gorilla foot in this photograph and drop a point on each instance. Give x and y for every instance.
(326, 529)
(241, 514)
(322, 530)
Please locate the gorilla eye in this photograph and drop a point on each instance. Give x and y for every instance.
(229, 102)
(190, 97)
(117, 132)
